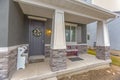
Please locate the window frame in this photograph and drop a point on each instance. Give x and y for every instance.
(87, 1)
(72, 25)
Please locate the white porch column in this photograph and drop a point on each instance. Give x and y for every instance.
(58, 42)
(102, 42)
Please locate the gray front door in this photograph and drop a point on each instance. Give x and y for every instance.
(36, 37)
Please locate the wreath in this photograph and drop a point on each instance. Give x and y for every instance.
(37, 32)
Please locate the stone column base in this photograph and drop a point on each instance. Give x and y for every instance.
(58, 60)
(103, 52)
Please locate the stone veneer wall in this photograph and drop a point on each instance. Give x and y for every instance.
(58, 60)
(103, 52)
(3, 66)
(47, 51)
(8, 63)
(12, 63)
(82, 49)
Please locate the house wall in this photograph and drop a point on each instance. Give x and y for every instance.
(114, 31)
(12, 24)
(18, 34)
(91, 31)
(18, 31)
(4, 7)
(13, 32)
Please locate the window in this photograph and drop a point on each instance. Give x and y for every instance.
(88, 1)
(70, 33)
(67, 33)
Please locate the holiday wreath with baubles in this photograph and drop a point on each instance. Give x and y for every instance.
(37, 32)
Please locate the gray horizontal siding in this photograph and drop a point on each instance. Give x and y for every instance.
(91, 31)
(114, 32)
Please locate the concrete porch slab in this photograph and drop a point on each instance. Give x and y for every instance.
(41, 70)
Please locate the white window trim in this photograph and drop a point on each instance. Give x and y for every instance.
(72, 25)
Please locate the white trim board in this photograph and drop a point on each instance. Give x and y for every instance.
(71, 24)
(37, 18)
(6, 49)
(3, 49)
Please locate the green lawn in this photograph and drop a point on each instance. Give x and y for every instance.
(115, 59)
(90, 51)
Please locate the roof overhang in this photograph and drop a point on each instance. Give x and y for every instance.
(75, 11)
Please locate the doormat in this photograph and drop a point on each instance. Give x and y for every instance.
(75, 59)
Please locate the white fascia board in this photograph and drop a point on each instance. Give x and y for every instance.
(95, 7)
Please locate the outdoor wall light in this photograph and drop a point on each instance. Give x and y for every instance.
(48, 32)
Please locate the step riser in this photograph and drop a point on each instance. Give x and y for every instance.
(33, 59)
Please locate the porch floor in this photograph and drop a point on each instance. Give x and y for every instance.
(41, 70)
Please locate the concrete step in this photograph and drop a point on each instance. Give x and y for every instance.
(36, 58)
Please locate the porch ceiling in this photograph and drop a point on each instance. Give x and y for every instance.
(75, 11)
